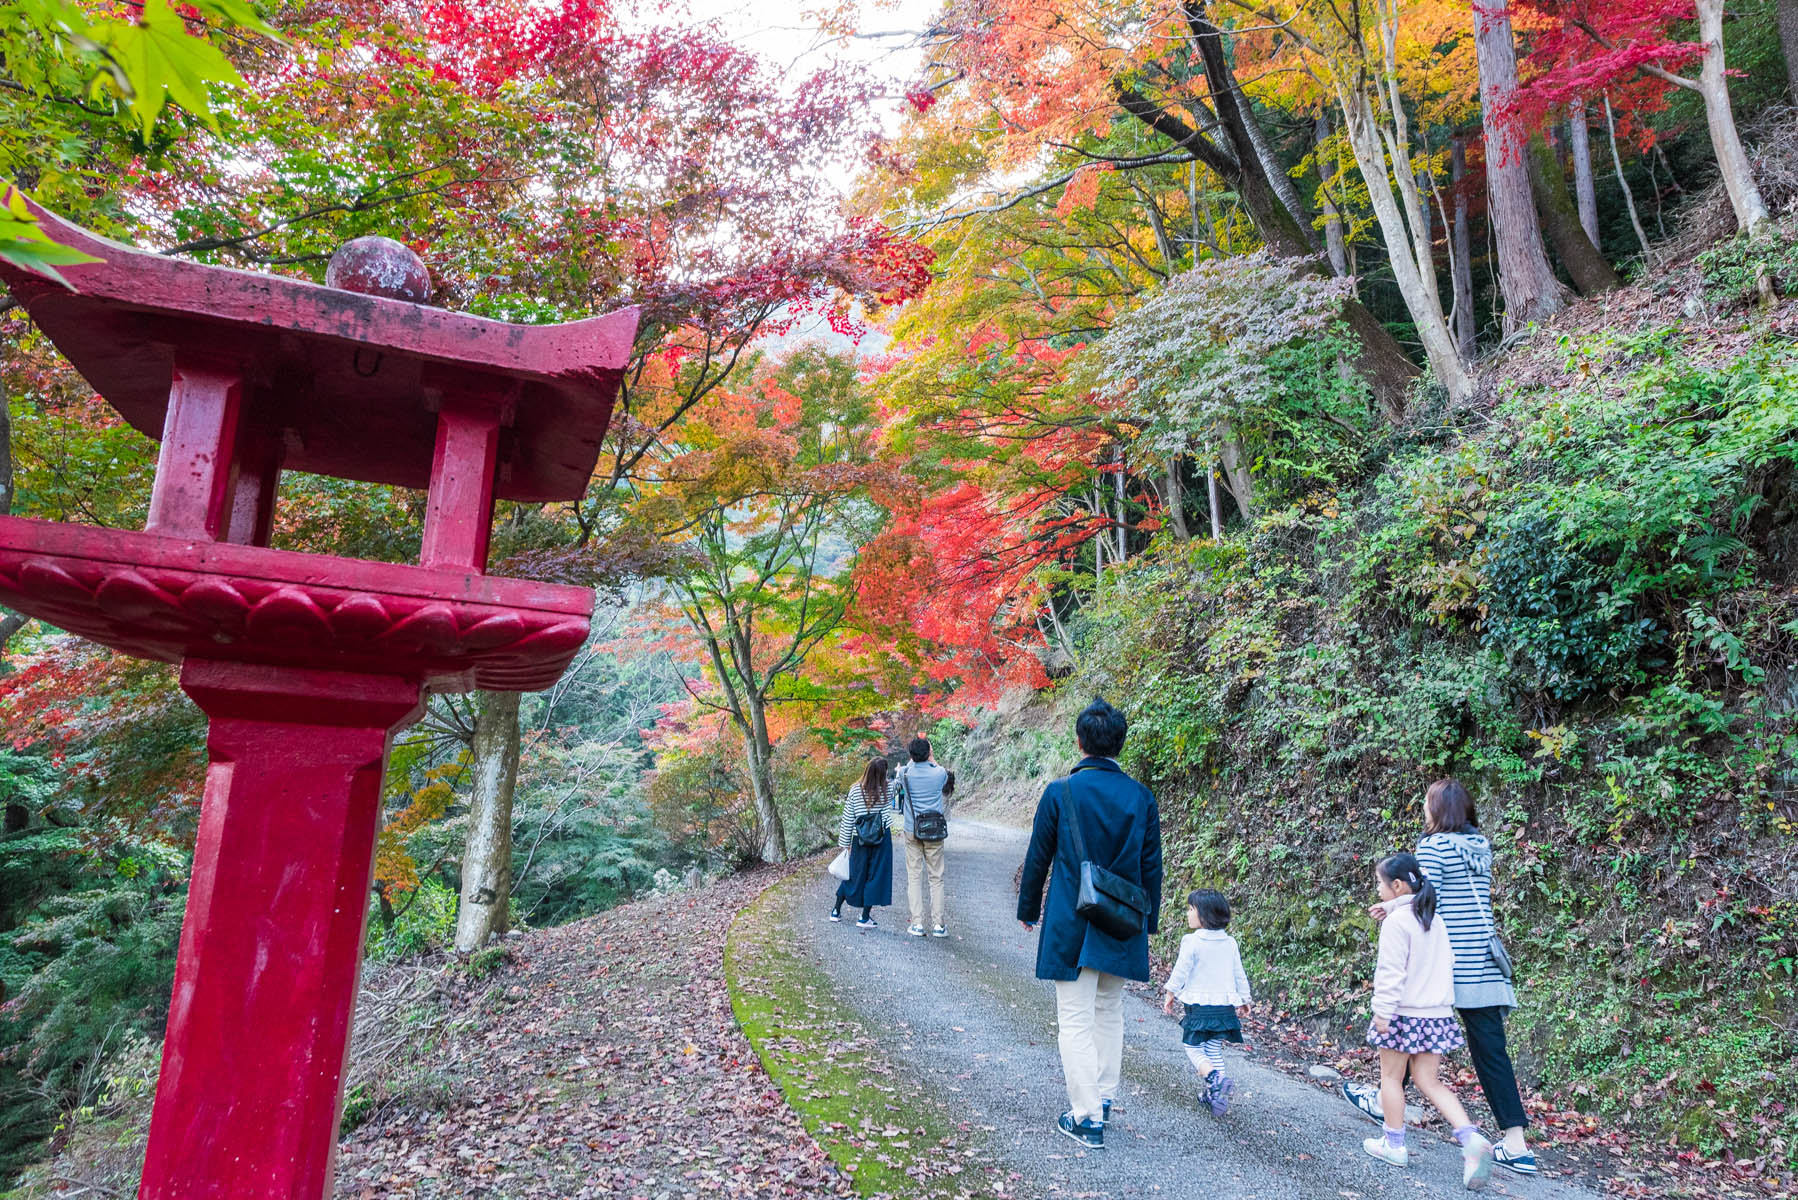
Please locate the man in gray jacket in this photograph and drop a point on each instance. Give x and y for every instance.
(923, 787)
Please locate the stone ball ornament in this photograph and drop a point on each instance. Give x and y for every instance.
(379, 266)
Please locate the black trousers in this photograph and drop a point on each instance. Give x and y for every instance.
(1492, 1063)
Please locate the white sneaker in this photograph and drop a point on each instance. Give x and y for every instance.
(916, 930)
(938, 931)
(1398, 1156)
(1476, 1163)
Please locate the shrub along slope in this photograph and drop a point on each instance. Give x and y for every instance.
(1581, 594)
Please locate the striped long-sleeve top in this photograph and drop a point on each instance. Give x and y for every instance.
(854, 805)
(1460, 865)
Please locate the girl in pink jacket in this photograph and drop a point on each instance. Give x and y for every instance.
(1414, 1017)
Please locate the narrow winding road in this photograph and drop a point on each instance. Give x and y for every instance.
(968, 1015)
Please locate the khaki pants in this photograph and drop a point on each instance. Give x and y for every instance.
(920, 856)
(1090, 1013)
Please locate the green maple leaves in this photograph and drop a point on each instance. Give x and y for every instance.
(24, 243)
(138, 66)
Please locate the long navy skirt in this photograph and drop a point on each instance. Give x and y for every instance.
(870, 882)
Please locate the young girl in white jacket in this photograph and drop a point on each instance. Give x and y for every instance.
(1414, 1017)
(1208, 979)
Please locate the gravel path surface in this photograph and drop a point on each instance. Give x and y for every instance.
(969, 1016)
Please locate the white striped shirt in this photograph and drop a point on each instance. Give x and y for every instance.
(854, 806)
(1460, 866)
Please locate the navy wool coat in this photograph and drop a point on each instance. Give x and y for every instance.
(1122, 830)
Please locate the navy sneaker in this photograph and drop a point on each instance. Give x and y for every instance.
(836, 914)
(1085, 1132)
(1365, 1099)
(1522, 1164)
(866, 923)
(1219, 1097)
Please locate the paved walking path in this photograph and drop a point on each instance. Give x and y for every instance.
(968, 1015)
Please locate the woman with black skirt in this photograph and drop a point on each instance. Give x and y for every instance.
(865, 831)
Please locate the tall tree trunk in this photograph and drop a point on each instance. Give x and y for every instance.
(1732, 159)
(1176, 501)
(1525, 277)
(487, 857)
(1236, 470)
(1786, 13)
(1216, 502)
(1629, 197)
(1335, 241)
(759, 750)
(1461, 266)
(10, 622)
(1591, 273)
(1579, 140)
(1123, 526)
(1418, 294)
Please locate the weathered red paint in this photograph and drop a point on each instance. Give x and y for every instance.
(305, 664)
(249, 1097)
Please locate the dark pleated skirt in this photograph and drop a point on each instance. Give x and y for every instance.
(870, 882)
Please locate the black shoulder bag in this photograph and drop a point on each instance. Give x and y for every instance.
(928, 825)
(1105, 899)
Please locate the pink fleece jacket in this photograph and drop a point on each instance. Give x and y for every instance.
(1415, 975)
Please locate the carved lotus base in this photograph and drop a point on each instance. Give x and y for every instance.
(171, 598)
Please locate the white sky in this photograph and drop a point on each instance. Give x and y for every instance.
(788, 34)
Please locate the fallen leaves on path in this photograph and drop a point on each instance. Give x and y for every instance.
(602, 1061)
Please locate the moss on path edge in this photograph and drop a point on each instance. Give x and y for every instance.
(877, 1121)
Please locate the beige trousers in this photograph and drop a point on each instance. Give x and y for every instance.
(1090, 1013)
(919, 857)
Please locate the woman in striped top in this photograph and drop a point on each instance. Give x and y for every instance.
(870, 882)
(1457, 857)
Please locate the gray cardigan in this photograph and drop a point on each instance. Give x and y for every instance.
(1460, 865)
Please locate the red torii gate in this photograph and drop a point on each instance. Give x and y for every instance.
(306, 664)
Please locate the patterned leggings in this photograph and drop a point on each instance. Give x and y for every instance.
(1208, 1057)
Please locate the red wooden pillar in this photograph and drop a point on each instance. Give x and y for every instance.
(247, 1105)
(459, 510)
(191, 496)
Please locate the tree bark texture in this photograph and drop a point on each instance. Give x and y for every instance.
(1335, 240)
(1461, 245)
(10, 622)
(487, 857)
(1216, 501)
(1176, 501)
(1426, 313)
(1237, 478)
(1560, 218)
(1786, 13)
(1579, 141)
(1629, 197)
(1732, 159)
(1525, 277)
(759, 750)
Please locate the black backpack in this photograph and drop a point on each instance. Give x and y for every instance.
(870, 828)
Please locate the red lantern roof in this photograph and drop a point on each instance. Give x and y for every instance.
(349, 383)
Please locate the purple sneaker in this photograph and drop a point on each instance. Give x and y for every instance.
(1219, 1097)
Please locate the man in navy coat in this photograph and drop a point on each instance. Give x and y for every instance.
(1121, 829)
